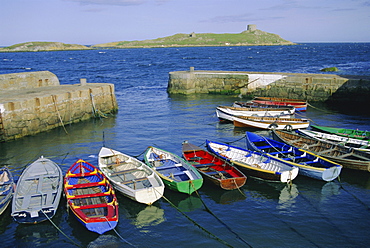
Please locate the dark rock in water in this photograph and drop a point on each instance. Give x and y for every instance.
(330, 69)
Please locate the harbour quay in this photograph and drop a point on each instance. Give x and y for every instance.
(34, 102)
(310, 87)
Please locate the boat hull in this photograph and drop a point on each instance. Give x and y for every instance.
(43, 182)
(177, 174)
(299, 105)
(91, 197)
(212, 168)
(7, 186)
(348, 158)
(131, 177)
(309, 164)
(254, 164)
(227, 113)
(270, 123)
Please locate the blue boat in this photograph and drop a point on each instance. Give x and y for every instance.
(309, 164)
(7, 186)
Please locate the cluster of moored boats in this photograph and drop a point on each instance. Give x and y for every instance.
(90, 190)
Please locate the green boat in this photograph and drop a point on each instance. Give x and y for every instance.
(177, 174)
(350, 133)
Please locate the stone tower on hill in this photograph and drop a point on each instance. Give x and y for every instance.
(251, 27)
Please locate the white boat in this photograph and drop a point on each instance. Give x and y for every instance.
(270, 122)
(227, 113)
(357, 144)
(253, 163)
(130, 176)
(38, 192)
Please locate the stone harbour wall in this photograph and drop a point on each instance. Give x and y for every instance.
(311, 87)
(34, 109)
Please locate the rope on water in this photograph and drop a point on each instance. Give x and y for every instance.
(358, 199)
(195, 223)
(223, 223)
(65, 235)
(119, 234)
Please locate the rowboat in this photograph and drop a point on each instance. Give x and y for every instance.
(212, 168)
(130, 176)
(309, 164)
(227, 113)
(345, 132)
(254, 164)
(347, 157)
(91, 197)
(258, 105)
(38, 192)
(176, 173)
(362, 145)
(270, 122)
(299, 105)
(7, 187)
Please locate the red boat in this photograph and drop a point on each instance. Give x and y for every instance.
(299, 105)
(213, 168)
(91, 197)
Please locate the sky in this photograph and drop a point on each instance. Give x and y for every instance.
(90, 22)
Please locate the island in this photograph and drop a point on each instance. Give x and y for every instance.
(249, 37)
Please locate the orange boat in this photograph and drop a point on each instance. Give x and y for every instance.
(299, 105)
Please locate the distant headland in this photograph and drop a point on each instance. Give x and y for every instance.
(250, 37)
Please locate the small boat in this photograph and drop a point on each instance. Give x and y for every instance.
(38, 192)
(130, 176)
(299, 105)
(362, 145)
(258, 105)
(213, 168)
(345, 132)
(347, 157)
(7, 187)
(270, 122)
(227, 113)
(309, 164)
(91, 197)
(254, 164)
(176, 173)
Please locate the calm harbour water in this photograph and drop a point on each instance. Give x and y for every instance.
(308, 213)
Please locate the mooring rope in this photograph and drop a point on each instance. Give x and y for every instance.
(358, 199)
(60, 118)
(60, 230)
(119, 234)
(198, 225)
(223, 223)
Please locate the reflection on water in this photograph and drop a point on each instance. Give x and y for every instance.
(106, 241)
(223, 196)
(186, 203)
(287, 196)
(149, 216)
(29, 236)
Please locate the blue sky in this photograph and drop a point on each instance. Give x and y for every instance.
(99, 21)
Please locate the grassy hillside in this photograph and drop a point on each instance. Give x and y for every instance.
(246, 38)
(42, 46)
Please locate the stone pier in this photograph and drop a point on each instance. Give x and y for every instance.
(34, 102)
(311, 87)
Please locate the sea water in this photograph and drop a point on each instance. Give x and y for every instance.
(308, 213)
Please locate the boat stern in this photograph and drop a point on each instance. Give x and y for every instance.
(289, 175)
